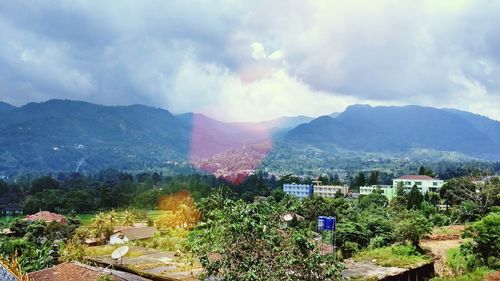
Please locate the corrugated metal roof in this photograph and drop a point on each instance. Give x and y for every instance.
(137, 233)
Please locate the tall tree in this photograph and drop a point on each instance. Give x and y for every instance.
(128, 218)
(421, 170)
(415, 198)
(335, 180)
(360, 180)
(373, 179)
(42, 183)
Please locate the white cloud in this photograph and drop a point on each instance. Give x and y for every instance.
(219, 93)
(277, 55)
(258, 51)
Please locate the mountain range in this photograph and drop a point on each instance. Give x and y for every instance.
(64, 135)
(400, 129)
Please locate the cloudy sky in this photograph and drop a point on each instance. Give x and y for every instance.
(253, 60)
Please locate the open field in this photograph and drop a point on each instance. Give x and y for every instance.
(86, 219)
(401, 256)
(7, 219)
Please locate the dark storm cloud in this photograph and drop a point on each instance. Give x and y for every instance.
(439, 53)
(103, 51)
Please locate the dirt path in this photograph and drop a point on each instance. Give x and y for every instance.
(439, 248)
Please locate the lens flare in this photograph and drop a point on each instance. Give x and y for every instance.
(180, 210)
(229, 150)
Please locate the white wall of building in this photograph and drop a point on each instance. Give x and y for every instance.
(115, 239)
(299, 190)
(329, 191)
(423, 185)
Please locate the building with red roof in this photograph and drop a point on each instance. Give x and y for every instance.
(47, 217)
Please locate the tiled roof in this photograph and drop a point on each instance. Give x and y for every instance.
(415, 177)
(76, 271)
(67, 271)
(47, 216)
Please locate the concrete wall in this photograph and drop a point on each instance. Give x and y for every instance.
(421, 273)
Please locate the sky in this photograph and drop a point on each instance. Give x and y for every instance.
(253, 60)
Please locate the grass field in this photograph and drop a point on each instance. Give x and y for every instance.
(86, 219)
(7, 219)
(398, 255)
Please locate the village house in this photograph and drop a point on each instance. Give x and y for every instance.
(47, 216)
(130, 234)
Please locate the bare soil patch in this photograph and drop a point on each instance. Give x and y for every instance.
(439, 242)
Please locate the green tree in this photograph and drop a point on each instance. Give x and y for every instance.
(249, 241)
(112, 218)
(375, 199)
(360, 180)
(336, 180)
(412, 226)
(99, 223)
(3, 188)
(486, 240)
(421, 170)
(43, 183)
(128, 218)
(415, 198)
(374, 178)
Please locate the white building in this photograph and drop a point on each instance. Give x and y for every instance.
(329, 190)
(388, 190)
(130, 234)
(299, 190)
(423, 183)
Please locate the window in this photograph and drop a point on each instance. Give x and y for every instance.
(408, 183)
(418, 183)
(434, 183)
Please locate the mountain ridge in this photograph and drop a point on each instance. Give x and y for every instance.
(399, 129)
(64, 134)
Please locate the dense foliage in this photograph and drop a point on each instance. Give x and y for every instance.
(238, 231)
(32, 243)
(251, 241)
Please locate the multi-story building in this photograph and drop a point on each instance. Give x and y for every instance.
(423, 183)
(329, 190)
(388, 190)
(299, 190)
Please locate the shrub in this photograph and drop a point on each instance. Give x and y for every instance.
(486, 240)
(440, 219)
(461, 260)
(377, 242)
(349, 249)
(412, 227)
(74, 250)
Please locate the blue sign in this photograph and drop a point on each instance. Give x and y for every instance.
(326, 223)
(321, 223)
(330, 223)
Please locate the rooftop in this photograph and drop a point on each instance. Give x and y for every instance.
(47, 217)
(70, 271)
(415, 177)
(136, 233)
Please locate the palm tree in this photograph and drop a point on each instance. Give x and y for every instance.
(112, 218)
(99, 222)
(128, 218)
